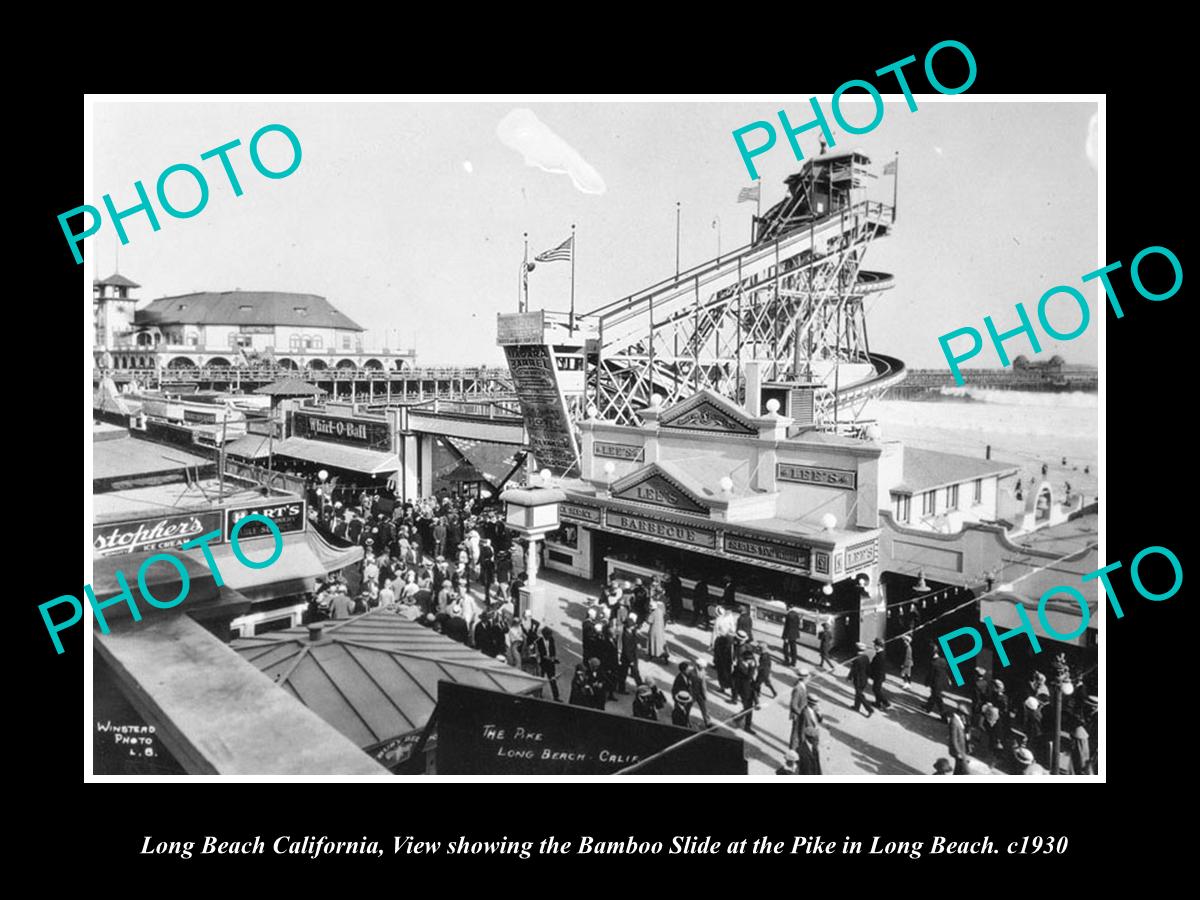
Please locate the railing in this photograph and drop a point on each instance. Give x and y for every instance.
(273, 373)
(489, 409)
(870, 209)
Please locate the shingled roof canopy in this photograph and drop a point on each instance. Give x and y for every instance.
(245, 308)
(117, 280)
(374, 677)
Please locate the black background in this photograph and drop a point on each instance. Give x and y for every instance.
(1141, 62)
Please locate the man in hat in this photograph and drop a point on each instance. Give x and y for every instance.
(548, 658)
(487, 564)
(745, 622)
(648, 701)
(939, 675)
(998, 698)
(681, 715)
(581, 688)
(791, 634)
(860, 677)
(763, 680)
(640, 603)
(629, 652)
(1026, 763)
(943, 766)
(825, 641)
(906, 663)
(699, 691)
(599, 692)
(879, 676)
(979, 693)
(790, 764)
(722, 651)
(342, 607)
(439, 537)
(743, 679)
(608, 646)
(810, 744)
(798, 704)
(957, 738)
(456, 627)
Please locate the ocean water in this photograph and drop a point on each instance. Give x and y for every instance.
(1022, 427)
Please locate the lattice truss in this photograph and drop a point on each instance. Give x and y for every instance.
(788, 303)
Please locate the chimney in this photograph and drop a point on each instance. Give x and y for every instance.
(314, 631)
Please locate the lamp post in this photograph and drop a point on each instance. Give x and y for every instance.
(1062, 688)
(323, 477)
(532, 513)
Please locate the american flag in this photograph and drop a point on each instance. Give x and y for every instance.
(561, 252)
(750, 193)
(890, 168)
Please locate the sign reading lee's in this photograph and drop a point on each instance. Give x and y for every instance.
(609, 450)
(360, 432)
(838, 478)
(288, 517)
(152, 534)
(482, 732)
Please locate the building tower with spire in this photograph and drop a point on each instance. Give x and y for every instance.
(112, 310)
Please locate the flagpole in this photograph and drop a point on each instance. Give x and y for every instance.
(525, 274)
(895, 184)
(572, 319)
(676, 239)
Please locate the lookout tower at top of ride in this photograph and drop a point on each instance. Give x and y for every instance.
(825, 185)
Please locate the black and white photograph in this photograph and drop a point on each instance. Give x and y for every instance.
(582, 438)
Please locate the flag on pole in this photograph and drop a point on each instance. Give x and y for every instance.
(750, 193)
(890, 168)
(561, 252)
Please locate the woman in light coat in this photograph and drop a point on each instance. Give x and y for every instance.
(656, 647)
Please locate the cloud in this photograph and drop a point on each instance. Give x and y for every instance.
(939, 151)
(1090, 146)
(467, 165)
(528, 135)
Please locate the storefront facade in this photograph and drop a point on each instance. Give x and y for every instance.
(358, 448)
(279, 592)
(705, 489)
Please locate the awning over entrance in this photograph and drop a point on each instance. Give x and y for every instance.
(354, 459)
(296, 562)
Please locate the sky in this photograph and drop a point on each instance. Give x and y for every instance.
(409, 216)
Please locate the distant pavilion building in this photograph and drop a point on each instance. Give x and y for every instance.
(211, 329)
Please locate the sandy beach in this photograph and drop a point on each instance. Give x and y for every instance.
(1026, 429)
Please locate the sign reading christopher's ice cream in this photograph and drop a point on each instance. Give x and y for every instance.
(152, 534)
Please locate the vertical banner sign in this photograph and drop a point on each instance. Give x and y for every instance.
(535, 379)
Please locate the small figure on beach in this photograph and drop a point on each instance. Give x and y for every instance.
(1045, 469)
